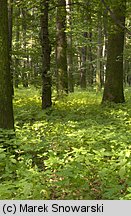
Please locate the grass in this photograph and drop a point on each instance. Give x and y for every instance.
(78, 149)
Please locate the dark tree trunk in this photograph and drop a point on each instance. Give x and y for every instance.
(10, 18)
(6, 107)
(113, 90)
(61, 49)
(46, 50)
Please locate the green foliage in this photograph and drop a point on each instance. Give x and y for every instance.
(77, 149)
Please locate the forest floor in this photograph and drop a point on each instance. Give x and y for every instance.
(78, 149)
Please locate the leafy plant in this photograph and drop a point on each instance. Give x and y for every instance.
(77, 149)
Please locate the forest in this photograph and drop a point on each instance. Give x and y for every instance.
(65, 99)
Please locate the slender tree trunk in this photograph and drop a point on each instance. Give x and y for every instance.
(90, 68)
(127, 73)
(61, 49)
(79, 67)
(46, 50)
(6, 107)
(105, 30)
(99, 56)
(69, 48)
(24, 28)
(113, 90)
(83, 70)
(16, 71)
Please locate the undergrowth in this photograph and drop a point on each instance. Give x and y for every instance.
(78, 149)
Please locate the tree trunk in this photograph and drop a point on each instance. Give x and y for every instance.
(113, 90)
(105, 31)
(90, 68)
(17, 62)
(83, 65)
(46, 50)
(24, 28)
(99, 56)
(69, 48)
(6, 107)
(61, 49)
(10, 17)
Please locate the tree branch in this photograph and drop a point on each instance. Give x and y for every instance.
(115, 18)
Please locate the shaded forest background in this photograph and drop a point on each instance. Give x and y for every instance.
(72, 39)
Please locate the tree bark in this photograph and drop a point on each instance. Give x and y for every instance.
(83, 71)
(69, 48)
(61, 49)
(24, 28)
(46, 50)
(10, 18)
(113, 90)
(99, 56)
(6, 107)
(90, 69)
(17, 37)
